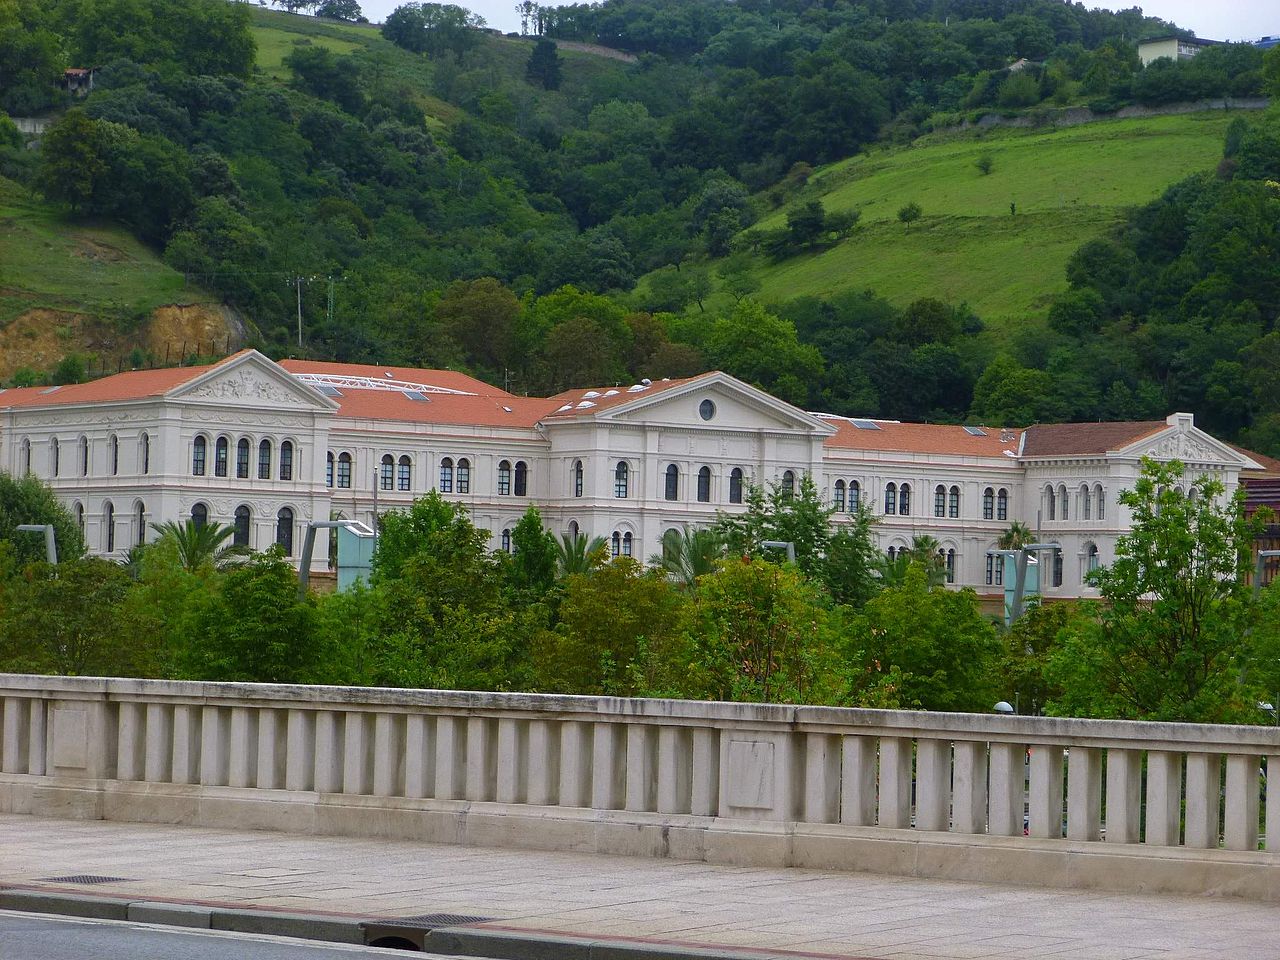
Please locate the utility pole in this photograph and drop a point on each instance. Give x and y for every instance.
(298, 283)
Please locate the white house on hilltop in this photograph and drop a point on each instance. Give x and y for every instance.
(268, 447)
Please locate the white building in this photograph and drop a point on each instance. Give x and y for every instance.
(268, 447)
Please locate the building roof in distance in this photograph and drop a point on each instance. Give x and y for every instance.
(1079, 439)
(133, 385)
(442, 379)
(503, 410)
(590, 401)
(893, 436)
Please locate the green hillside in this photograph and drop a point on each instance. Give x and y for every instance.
(1069, 185)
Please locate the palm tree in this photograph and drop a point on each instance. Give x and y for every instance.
(578, 553)
(201, 546)
(924, 551)
(689, 554)
(1016, 537)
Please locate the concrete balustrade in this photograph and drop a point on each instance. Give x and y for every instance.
(1153, 806)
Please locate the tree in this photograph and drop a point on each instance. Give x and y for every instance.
(738, 276)
(1171, 639)
(533, 563)
(433, 28)
(806, 224)
(850, 562)
(543, 67)
(73, 159)
(985, 163)
(910, 214)
(26, 500)
(689, 554)
(482, 315)
(798, 517)
(579, 554)
(1016, 536)
(340, 10)
(202, 547)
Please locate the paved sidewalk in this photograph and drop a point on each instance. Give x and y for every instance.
(637, 900)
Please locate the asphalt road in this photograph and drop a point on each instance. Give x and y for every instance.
(29, 936)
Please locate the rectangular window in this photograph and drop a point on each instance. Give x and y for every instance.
(403, 476)
(1002, 506)
(242, 461)
(344, 473)
(264, 463)
(953, 503)
(939, 502)
(286, 461)
(464, 476)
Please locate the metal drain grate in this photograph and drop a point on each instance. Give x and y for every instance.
(432, 920)
(85, 878)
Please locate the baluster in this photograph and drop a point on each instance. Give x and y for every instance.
(214, 761)
(1084, 794)
(1007, 768)
(185, 763)
(1204, 773)
(542, 763)
(37, 742)
(1045, 801)
(1124, 795)
(129, 741)
(642, 774)
(969, 787)
(481, 758)
(243, 746)
(512, 757)
(272, 749)
(357, 757)
(1241, 814)
(14, 756)
(419, 757)
(388, 754)
(330, 737)
(933, 784)
(575, 764)
(895, 782)
(675, 770)
(451, 752)
(1164, 789)
(820, 800)
(158, 764)
(705, 787)
(608, 746)
(1273, 803)
(300, 751)
(858, 781)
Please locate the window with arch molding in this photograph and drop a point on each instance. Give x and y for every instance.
(735, 485)
(242, 459)
(953, 503)
(1100, 496)
(387, 472)
(1057, 567)
(240, 538)
(220, 450)
(577, 478)
(1002, 504)
(404, 474)
(84, 457)
(199, 516)
(146, 453)
(904, 500)
(788, 483)
(140, 522)
(328, 469)
(626, 544)
(109, 526)
(522, 479)
(284, 530)
(671, 488)
(939, 501)
(286, 460)
(446, 475)
(504, 478)
(621, 481)
(1050, 504)
(890, 499)
(855, 496)
(1063, 499)
(1086, 503)
(198, 451)
(79, 511)
(24, 454)
(837, 497)
(573, 529)
(948, 558)
(506, 540)
(615, 544)
(344, 470)
(55, 455)
(113, 455)
(264, 463)
(988, 505)
(704, 485)
(1091, 561)
(464, 475)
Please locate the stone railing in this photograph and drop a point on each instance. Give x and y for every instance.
(1153, 806)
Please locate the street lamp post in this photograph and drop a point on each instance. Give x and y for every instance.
(50, 538)
(1021, 557)
(309, 543)
(1263, 557)
(786, 545)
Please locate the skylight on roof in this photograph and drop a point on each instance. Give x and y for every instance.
(567, 406)
(327, 390)
(865, 424)
(506, 408)
(975, 431)
(417, 395)
(50, 389)
(592, 393)
(584, 404)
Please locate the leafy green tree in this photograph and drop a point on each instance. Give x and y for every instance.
(850, 563)
(806, 225)
(543, 67)
(797, 516)
(738, 276)
(340, 10)
(910, 213)
(73, 159)
(1030, 646)
(758, 346)
(533, 562)
(580, 554)
(32, 58)
(26, 500)
(202, 547)
(688, 554)
(433, 28)
(321, 73)
(1171, 639)
(482, 315)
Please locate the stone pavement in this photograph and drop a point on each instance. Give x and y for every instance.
(639, 901)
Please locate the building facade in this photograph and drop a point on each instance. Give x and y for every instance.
(269, 447)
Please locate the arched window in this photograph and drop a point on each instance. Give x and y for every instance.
(146, 453)
(626, 544)
(54, 457)
(80, 516)
(328, 469)
(404, 474)
(988, 506)
(1091, 561)
(993, 560)
(939, 501)
(855, 496)
(199, 516)
(140, 522)
(241, 536)
(577, 478)
(84, 457)
(890, 499)
(1002, 504)
(1063, 501)
(284, 530)
(242, 459)
(220, 450)
(949, 563)
(788, 483)
(506, 540)
(504, 478)
(1050, 504)
(953, 503)
(621, 476)
(837, 498)
(113, 455)
(1057, 568)
(904, 500)
(197, 456)
(464, 475)
(704, 485)
(446, 475)
(387, 472)
(615, 544)
(573, 529)
(264, 464)
(522, 479)
(344, 470)
(286, 460)
(735, 485)
(1100, 495)
(892, 553)
(1086, 504)
(672, 488)
(109, 527)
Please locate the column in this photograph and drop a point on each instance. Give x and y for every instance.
(675, 770)
(451, 750)
(129, 741)
(37, 739)
(215, 724)
(243, 747)
(511, 759)
(419, 757)
(933, 784)
(1164, 789)
(821, 799)
(271, 749)
(895, 782)
(357, 754)
(1007, 769)
(542, 763)
(328, 753)
(1084, 794)
(1241, 814)
(608, 760)
(642, 773)
(300, 751)
(185, 766)
(969, 787)
(1045, 795)
(1124, 795)
(15, 753)
(157, 763)
(1204, 773)
(704, 790)
(481, 758)
(575, 764)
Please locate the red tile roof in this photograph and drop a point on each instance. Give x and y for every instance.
(446, 379)
(589, 401)
(920, 438)
(134, 385)
(1078, 439)
(492, 411)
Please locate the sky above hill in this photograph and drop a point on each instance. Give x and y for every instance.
(1223, 20)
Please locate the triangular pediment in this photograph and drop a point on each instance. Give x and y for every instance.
(736, 406)
(251, 379)
(1188, 443)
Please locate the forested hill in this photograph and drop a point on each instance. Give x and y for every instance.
(446, 196)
